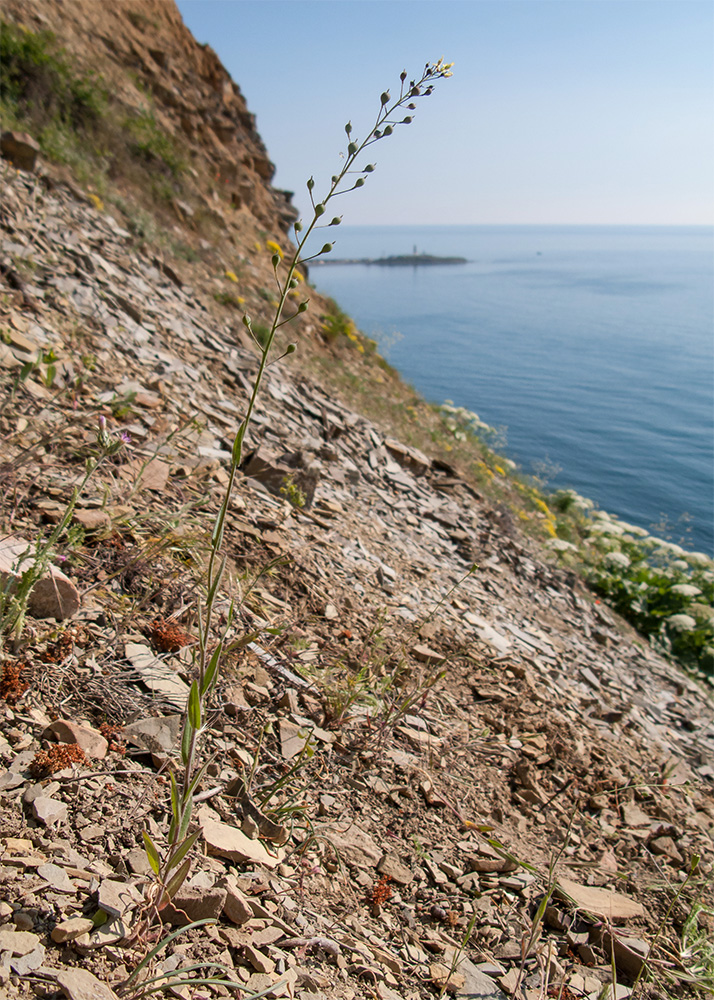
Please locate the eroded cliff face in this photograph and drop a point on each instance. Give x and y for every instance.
(142, 47)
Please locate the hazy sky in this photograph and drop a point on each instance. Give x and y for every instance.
(559, 111)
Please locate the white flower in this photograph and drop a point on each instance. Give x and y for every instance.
(698, 559)
(686, 589)
(560, 545)
(675, 550)
(702, 612)
(680, 564)
(617, 559)
(606, 528)
(682, 623)
(633, 529)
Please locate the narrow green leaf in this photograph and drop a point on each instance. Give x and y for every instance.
(186, 741)
(211, 670)
(197, 778)
(174, 796)
(183, 850)
(178, 879)
(162, 944)
(151, 852)
(185, 819)
(194, 706)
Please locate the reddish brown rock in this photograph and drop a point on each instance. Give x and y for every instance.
(64, 731)
(20, 149)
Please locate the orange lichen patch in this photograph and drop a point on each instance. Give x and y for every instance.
(381, 891)
(167, 636)
(58, 757)
(110, 734)
(12, 686)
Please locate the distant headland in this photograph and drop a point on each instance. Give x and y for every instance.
(401, 260)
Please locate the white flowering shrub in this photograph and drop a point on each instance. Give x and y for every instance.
(664, 591)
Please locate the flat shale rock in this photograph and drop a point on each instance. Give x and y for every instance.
(604, 903)
(228, 842)
(86, 737)
(80, 984)
(53, 596)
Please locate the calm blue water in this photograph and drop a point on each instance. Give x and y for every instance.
(593, 345)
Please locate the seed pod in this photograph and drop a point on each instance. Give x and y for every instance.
(408, 120)
(311, 184)
(298, 226)
(293, 283)
(385, 98)
(388, 130)
(359, 182)
(403, 75)
(319, 209)
(291, 348)
(246, 321)
(326, 249)
(348, 127)
(336, 221)
(352, 148)
(276, 259)
(369, 168)
(302, 307)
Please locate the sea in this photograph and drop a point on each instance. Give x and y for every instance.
(591, 347)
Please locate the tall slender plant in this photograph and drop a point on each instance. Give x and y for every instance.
(171, 866)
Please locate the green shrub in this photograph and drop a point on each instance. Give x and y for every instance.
(39, 84)
(150, 142)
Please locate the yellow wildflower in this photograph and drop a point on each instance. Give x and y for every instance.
(298, 276)
(97, 202)
(500, 471)
(232, 276)
(274, 248)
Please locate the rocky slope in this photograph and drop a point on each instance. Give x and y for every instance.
(468, 729)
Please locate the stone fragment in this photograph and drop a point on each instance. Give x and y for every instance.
(25, 964)
(228, 842)
(603, 903)
(630, 952)
(160, 679)
(259, 961)
(444, 978)
(91, 741)
(20, 149)
(410, 458)
(18, 942)
(115, 898)
(57, 877)
(107, 934)
(426, 655)
(53, 595)
(49, 811)
(667, 847)
(69, 930)
(191, 904)
(92, 520)
(292, 739)
(632, 815)
(236, 906)
(394, 869)
(354, 844)
(80, 984)
(159, 734)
